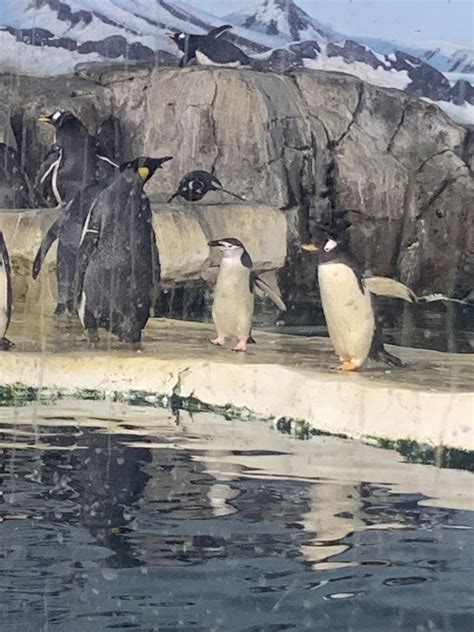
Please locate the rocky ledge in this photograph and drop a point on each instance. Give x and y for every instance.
(285, 378)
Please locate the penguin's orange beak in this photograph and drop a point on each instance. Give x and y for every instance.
(309, 247)
(44, 118)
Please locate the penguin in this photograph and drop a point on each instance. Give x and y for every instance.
(188, 43)
(347, 300)
(117, 256)
(67, 229)
(5, 294)
(15, 189)
(74, 162)
(233, 306)
(195, 184)
(220, 52)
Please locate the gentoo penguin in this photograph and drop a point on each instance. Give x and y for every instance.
(75, 161)
(15, 189)
(117, 255)
(233, 305)
(188, 43)
(220, 52)
(347, 302)
(195, 184)
(67, 229)
(5, 294)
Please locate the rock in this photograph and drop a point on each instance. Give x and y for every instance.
(462, 92)
(352, 51)
(307, 143)
(182, 234)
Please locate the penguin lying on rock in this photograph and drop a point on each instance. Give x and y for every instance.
(347, 302)
(117, 256)
(67, 229)
(221, 52)
(74, 162)
(5, 294)
(195, 184)
(188, 43)
(233, 305)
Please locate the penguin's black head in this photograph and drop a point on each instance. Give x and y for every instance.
(328, 247)
(179, 38)
(60, 120)
(145, 167)
(232, 248)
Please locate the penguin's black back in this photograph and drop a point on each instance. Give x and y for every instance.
(6, 270)
(221, 51)
(118, 280)
(195, 184)
(14, 190)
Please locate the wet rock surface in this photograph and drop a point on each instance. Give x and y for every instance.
(306, 143)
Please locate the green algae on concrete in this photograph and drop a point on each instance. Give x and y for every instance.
(287, 379)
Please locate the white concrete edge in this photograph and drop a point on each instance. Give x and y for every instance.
(336, 404)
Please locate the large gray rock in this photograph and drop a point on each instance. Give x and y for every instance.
(306, 143)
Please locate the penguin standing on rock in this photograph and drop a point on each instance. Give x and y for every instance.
(347, 303)
(233, 306)
(195, 184)
(188, 43)
(5, 294)
(118, 255)
(75, 160)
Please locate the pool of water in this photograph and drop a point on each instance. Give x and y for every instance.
(124, 518)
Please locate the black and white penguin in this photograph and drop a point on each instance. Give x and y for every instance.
(233, 305)
(15, 188)
(221, 52)
(5, 294)
(117, 256)
(347, 302)
(67, 229)
(195, 184)
(74, 162)
(188, 43)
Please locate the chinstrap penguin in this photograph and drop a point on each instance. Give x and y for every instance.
(188, 43)
(195, 184)
(347, 301)
(74, 162)
(116, 268)
(233, 305)
(5, 294)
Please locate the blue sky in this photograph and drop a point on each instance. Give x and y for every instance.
(400, 20)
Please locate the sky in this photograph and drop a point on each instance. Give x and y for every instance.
(400, 20)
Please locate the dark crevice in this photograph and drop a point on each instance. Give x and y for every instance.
(397, 129)
(435, 196)
(355, 114)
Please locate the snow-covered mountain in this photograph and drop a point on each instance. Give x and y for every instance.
(283, 19)
(50, 37)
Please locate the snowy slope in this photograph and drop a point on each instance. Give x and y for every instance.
(49, 37)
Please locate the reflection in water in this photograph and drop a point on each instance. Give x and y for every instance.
(142, 524)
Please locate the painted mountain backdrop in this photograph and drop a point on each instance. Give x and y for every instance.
(50, 37)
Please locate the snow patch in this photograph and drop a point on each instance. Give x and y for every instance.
(463, 114)
(376, 76)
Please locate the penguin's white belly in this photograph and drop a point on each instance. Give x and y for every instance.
(348, 312)
(232, 310)
(3, 300)
(203, 60)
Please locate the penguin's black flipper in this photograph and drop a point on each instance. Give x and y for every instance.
(175, 195)
(5, 344)
(266, 289)
(89, 241)
(46, 244)
(239, 197)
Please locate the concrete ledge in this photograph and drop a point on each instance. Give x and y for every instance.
(182, 232)
(429, 402)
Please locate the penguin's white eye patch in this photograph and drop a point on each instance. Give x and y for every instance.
(330, 245)
(181, 36)
(56, 115)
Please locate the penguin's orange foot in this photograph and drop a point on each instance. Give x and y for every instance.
(218, 342)
(241, 346)
(348, 366)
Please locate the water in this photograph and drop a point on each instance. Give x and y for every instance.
(127, 518)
